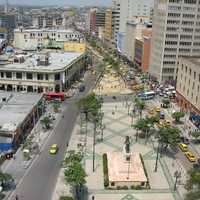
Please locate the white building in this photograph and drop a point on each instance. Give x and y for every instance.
(126, 9)
(31, 39)
(176, 29)
(41, 72)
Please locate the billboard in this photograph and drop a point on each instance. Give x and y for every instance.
(75, 47)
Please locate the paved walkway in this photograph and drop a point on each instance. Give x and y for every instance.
(117, 126)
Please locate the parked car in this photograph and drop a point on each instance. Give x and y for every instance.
(183, 147)
(190, 156)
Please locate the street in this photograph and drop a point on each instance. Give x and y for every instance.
(39, 180)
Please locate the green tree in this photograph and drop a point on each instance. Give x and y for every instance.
(168, 136)
(90, 105)
(46, 121)
(143, 125)
(140, 105)
(75, 174)
(5, 178)
(195, 135)
(193, 184)
(166, 102)
(177, 116)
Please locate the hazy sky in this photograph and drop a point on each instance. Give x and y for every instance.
(59, 2)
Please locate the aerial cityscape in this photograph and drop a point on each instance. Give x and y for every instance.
(100, 100)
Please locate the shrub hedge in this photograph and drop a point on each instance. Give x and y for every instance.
(145, 171)
(65, 198)
(105, 170)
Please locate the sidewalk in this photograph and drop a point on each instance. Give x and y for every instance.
(17, 167)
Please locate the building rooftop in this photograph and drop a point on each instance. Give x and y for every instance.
(14, 108)
(30, 30)
(56, 61)
(120, 170)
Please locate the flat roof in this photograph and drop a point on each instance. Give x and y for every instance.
(193, 59)
(120, 170)
(57, 61)
(45, 30)
(15, 109)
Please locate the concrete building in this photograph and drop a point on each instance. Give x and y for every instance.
(124, 10)
(47, 21)
(41, 72)
(142, 50)
(134, 30)
(176, 28)
(96, 21)
(8, 21)
(18, 114)
(32, 39)
(108, 33)
(188, 84)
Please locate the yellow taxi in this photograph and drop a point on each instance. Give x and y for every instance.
(166, 123)
(157, 109)
(183, 147)
(159, 125)
(190, 156)
(53, 149)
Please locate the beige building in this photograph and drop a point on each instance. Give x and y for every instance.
(188, 84)
(41, 72)
(108, 34)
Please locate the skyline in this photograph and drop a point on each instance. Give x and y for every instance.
(59, 2)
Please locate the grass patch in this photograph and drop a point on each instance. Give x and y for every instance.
(105, 170)
(65, 198)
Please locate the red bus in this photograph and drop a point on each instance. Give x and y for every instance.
(53, 95)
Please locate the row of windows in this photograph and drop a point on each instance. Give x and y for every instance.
(29, 76)
(187, 69)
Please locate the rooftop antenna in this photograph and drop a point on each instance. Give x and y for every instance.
(6, 6)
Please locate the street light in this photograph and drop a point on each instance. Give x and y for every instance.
(177, 175)
(157, 157)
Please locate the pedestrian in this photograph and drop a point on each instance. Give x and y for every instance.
(16, 197)
(92, 197)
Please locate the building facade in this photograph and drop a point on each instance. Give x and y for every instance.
(142, 50)
(176, 28)
(96, 21)
(22, 112)
(108, 33)
(188, 84)
(44, 72)
(32, 39)
(124, 10)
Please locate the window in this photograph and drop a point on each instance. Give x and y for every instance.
(8, 74)
(19, 75)
(57, 77)
(29, 76)
(194, 75)
(2, 75)
(112, 183)
(46, 77)
(39, 76)
(190, 72)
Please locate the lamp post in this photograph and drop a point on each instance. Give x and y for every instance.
(157, 157)
(177, 175)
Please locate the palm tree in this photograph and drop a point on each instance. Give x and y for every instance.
(46, 121)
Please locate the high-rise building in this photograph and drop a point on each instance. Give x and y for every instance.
(176, 29)
(96, 20)
(108, 26)
(124, 10)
